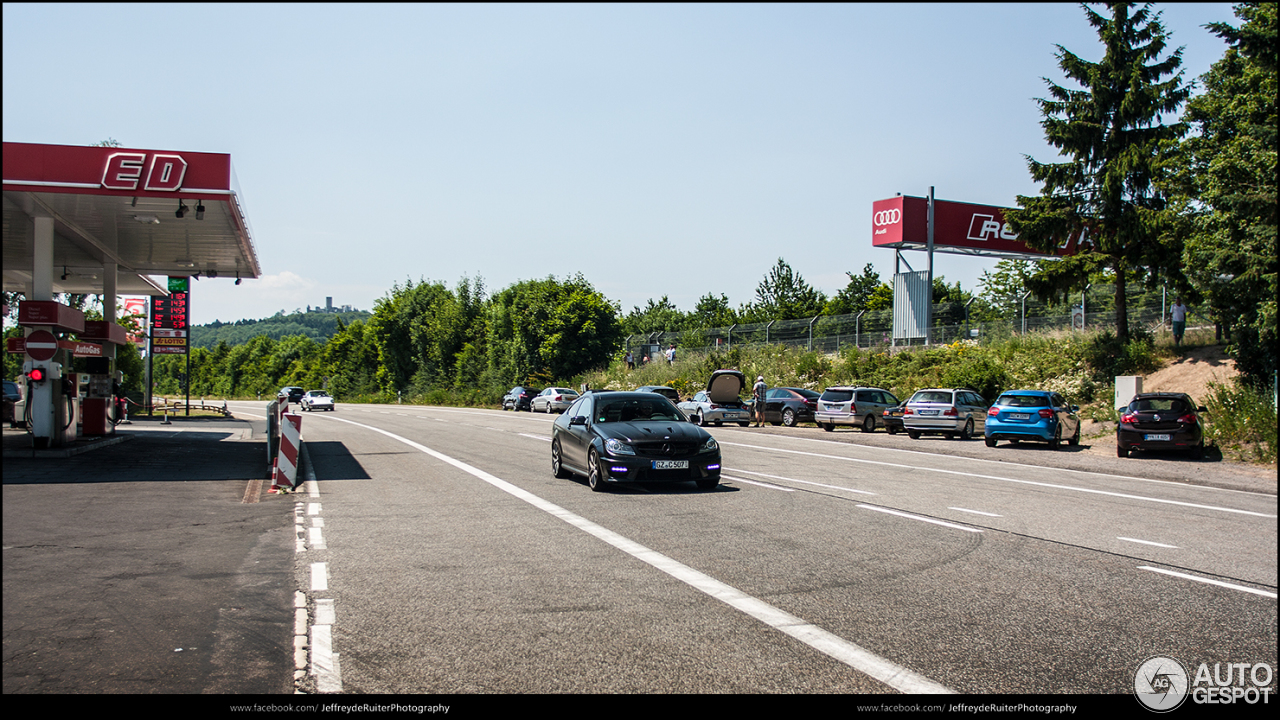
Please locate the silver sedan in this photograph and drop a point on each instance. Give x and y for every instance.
(701, 410)
(556, 399)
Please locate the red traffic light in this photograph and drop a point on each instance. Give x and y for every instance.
(36, 375)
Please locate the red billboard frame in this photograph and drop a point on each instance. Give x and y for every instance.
(902, 223)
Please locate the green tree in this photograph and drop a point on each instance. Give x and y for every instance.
(550, 330)
(864, 292)
(661, 316)
(1230, 190)
(1110, 131)
(712, 311)
(784, 295)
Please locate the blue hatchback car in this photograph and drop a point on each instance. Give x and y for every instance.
(1037, 415)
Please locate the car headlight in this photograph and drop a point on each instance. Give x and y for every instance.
(709, 446)
(617, 447)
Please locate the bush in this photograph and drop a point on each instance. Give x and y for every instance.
(1242, 421)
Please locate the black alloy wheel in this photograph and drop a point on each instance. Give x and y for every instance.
(557, 462)
(1056, 442)
(1075, 439)
(594, 481)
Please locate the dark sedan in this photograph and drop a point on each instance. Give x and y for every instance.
(520, 398)
(632, 437)
(891, 418)
(789, 406)
(1160, 421)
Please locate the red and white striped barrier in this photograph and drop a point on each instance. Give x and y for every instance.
(285, 474)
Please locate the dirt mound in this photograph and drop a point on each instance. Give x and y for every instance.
(1192, 372)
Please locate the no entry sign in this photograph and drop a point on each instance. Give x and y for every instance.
(41, 345)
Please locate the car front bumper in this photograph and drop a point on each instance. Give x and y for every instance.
(641, 469)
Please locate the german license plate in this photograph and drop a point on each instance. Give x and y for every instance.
(1157, 437)
(732, 416)
(928, 412)
(1019, 416)
(670, 464)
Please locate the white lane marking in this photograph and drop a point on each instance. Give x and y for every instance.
(806, 482)
(535, 437)
(882, 669)
(1011, 480)
(771, 486)
(324, 661)
(1263, 593)
(920, 518)
(316, 538)
(319, 576)
(1002, 463)
(1146, 542)
(975, 512)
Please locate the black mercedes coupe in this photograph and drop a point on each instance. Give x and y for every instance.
(632, 437)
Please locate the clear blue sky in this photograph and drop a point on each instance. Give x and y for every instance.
(657, 149)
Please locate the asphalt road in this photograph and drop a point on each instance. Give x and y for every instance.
(443, 557)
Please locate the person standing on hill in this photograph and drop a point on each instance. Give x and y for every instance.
(1179, 316)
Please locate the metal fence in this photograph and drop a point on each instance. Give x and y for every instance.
(831, 333)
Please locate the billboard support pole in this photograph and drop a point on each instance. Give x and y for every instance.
(928, 307)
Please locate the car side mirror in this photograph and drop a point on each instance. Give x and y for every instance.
(578, 420)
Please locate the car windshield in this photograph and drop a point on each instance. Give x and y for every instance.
(1023, 401)
(932, 397)
(630, 409)
(1159, 405)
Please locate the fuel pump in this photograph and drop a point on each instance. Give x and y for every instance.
(51, 403)
(98, 406)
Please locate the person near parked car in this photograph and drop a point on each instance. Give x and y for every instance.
(1179, 316)
(758, 392)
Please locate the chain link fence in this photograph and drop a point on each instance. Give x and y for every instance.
(831, 333)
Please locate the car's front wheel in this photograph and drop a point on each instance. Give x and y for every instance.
(557, 461)
(594, 481)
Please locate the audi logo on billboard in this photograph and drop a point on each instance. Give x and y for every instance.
(886, 217)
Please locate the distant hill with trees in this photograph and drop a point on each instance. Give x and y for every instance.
(318, 325)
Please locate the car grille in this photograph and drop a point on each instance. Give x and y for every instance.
(667, 449)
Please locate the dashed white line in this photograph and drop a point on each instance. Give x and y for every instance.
(1208, 581)
(920, 518)
(806, 482)
(771, 486)
(1146, 542)
(1055, 486)
(975, 512)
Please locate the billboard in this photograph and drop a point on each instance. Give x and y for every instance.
(902, 223)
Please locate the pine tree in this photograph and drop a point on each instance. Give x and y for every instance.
(1109, 132)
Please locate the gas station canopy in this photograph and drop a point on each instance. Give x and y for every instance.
(145, 212)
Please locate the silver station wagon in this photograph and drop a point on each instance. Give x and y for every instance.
(858, 406)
